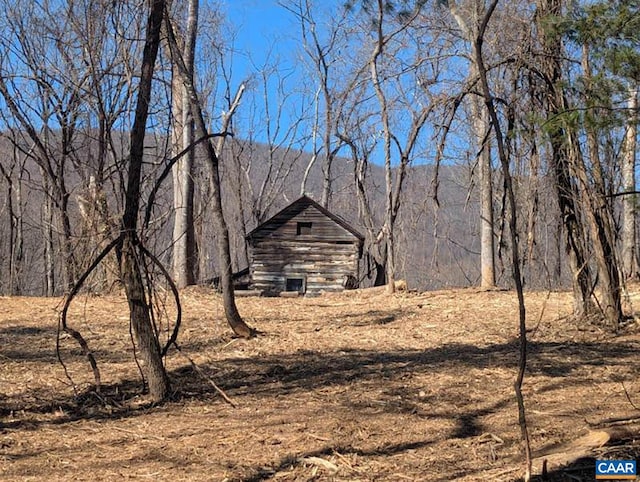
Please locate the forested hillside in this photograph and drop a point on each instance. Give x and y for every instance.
(458, 136)
(438, 245)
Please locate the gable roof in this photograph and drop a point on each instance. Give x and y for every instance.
(295, 208)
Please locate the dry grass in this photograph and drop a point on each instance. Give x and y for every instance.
(353, 387)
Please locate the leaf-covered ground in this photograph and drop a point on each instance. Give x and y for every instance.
(354, 387)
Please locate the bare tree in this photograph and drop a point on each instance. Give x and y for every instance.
(69, 84)
(504, 155)
(234, 319)
(231, 154)
(266, 180)
(129, 252)
(391, 125)
(322, 48)
(629, 238)
(184, 249)
(35, 61)
(110, 59)
(12, 174)
(468, 21)
(265, 157)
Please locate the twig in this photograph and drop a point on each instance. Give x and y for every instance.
(626, 393)
(534, 330)
(205, 376)
(344, 459)
(402, 476)
(611, 422)
(319, 462)
(229, 343)
(176, 298)
(498, 475)
(488, 437)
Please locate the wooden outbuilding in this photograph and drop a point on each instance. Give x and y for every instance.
(304, 249)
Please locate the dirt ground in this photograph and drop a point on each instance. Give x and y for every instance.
(354, 387)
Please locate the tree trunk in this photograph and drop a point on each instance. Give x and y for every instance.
(487, 239)
(599, 215)
(381, 273)
(10, 237)
(574, 237)
(480, 125)
(599, 220)
(237, 324)
(130, 268)
(327, 168)
(184, 246)
(145, 336)
(47, 226)
(391, 263)
(513, 230)
(18, 249)
(69, 262)
(387, 229)
(629, 249)
(554, 104)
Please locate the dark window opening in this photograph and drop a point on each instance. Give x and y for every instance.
(295, 284)
(303, 228)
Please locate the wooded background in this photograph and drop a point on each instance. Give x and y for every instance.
(392, 129)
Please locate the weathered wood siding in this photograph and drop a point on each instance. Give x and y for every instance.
(323, 257)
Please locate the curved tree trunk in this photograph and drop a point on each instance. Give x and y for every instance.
(503, 155)
(237, 324)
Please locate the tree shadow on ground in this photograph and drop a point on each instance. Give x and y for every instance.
(27, 343)
(358, 318)
(265, 473)
(584, 468)
(375, 317)
(19, 331)
(306, 370)
(37, 344)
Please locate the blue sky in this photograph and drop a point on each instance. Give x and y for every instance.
(263, 28)
(266, 33)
